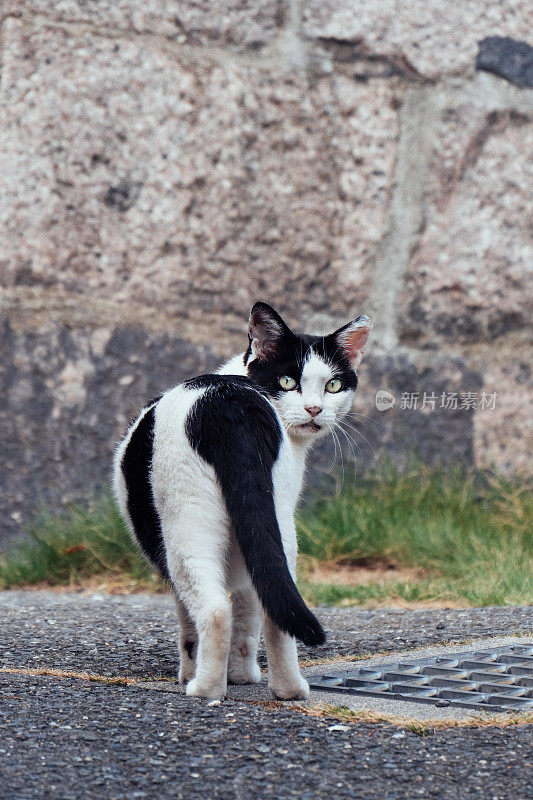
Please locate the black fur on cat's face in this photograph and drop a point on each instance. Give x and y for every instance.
(311, 380)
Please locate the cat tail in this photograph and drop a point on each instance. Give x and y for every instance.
(236, 430)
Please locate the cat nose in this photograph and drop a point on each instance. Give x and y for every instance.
(313, 410)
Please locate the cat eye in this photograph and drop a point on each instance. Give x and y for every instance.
(287, 383)
(334, 385)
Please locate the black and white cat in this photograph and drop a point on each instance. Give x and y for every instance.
(208, 478)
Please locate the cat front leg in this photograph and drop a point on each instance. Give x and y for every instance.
(188, 643)
(284, 679)
(246, 631)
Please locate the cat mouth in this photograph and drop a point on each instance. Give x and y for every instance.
(310, 426)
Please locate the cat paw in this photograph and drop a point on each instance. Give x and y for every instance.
(210, 692)
(244, 672)
(295, 690)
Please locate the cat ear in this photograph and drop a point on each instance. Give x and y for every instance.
(265, 330)
(353, 338)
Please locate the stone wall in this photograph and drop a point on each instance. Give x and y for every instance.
(163, 164)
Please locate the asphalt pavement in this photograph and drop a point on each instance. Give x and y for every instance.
(73, 738)
(136, 635)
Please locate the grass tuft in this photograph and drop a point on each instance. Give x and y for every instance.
(470, 533)
(81, 543)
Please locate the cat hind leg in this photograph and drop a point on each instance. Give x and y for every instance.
(246, 631)
(196, 542)
(214, 630)
(188, 643)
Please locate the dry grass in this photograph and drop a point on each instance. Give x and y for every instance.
(380, 573)
(422, 728)
(343, 714)
(61, 673)
(114, 585)
(380, 580)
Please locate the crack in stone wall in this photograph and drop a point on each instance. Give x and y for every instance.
(406, 211)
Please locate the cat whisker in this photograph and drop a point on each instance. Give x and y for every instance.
(362, 423)
(364, 416)
(330, 468)
(336, 438)
(351, 427)
(351, 443)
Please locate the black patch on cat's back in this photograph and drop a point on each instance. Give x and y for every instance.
(136, 467)
(232, 403)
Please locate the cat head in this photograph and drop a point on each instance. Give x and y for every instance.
(310, 380)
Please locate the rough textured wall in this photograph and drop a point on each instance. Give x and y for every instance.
(164, 164)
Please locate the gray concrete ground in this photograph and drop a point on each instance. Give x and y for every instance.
(73, 738)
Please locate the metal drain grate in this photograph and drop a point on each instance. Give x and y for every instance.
(500, 679)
